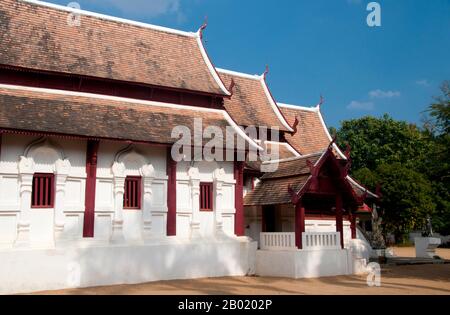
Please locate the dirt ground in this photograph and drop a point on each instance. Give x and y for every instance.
(414, 279)
(444, 253)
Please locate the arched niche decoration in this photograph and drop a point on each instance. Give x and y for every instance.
(42, 155)
(131, 162)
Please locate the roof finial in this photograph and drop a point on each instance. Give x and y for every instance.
(266, 72)
(293, 194)
(333, 141)
(232, 85)
(348, 150)
(202, 28)
(378, 190)
(322, 100)
(295, 125)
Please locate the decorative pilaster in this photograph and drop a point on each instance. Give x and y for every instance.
(62, 172)
(148, 174)
(339, 218)
(26, 171)
(118, 170)
(194, 182)
(218, 202)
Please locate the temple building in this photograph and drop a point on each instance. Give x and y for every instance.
(92, 193)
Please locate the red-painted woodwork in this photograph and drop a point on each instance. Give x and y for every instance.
(171, 195)
(43, 191)
(206, 197)
(132, 193)
(339, 218)
(77, 83)
(1, 137)
(299, 224)
(91, 179)
(352, 219)
(239, 228)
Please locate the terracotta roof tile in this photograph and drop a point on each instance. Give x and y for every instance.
(274, 191)
(249, 104)
(311, 136)
(100, 118)
(273, 187)
(293, 167)
(38, 37)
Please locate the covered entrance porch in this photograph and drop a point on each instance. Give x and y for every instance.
(306, 212)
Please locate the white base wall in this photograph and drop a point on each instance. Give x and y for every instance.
(304, 263)
(28, 270)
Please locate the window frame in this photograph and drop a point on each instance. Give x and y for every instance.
(52, 186)
(139, 192)
(209, 198)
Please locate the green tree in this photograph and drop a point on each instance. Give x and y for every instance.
(376, 141)
(407, 198)
(438, 166)
(411, 163)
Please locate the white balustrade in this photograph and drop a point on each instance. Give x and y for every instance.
(277, 241)
(321, 240)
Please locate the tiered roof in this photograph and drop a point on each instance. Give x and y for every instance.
(36, 35)
(96, 116)
(252, 103)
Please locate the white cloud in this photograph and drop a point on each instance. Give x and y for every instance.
(423, 82)
(147, 8)
(383, 94)
(357, 105)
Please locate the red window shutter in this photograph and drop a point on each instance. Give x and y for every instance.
(206, 197)
(132, 196)
(43, 191)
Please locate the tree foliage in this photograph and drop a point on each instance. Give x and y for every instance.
(411, 163)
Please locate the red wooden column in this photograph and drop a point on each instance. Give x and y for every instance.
(339, 218)
(239, 229)
(299, 224)
(91, 179)
(171, 195)
(1, 134)
(352, 219)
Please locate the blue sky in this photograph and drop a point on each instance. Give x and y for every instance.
(316, 47)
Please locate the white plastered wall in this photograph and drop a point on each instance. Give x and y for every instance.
(115, 162)
(191, 222)
(22, 156)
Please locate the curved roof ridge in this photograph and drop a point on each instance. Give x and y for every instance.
(239, 74)
(298, 107)
(294, 158)
(273, 103)
(316, 109)
(209, 63)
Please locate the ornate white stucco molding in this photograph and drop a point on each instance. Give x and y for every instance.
(194, 183)
(46, 156)
(129, 161)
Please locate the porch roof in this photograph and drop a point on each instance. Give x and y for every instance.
(274, 186)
